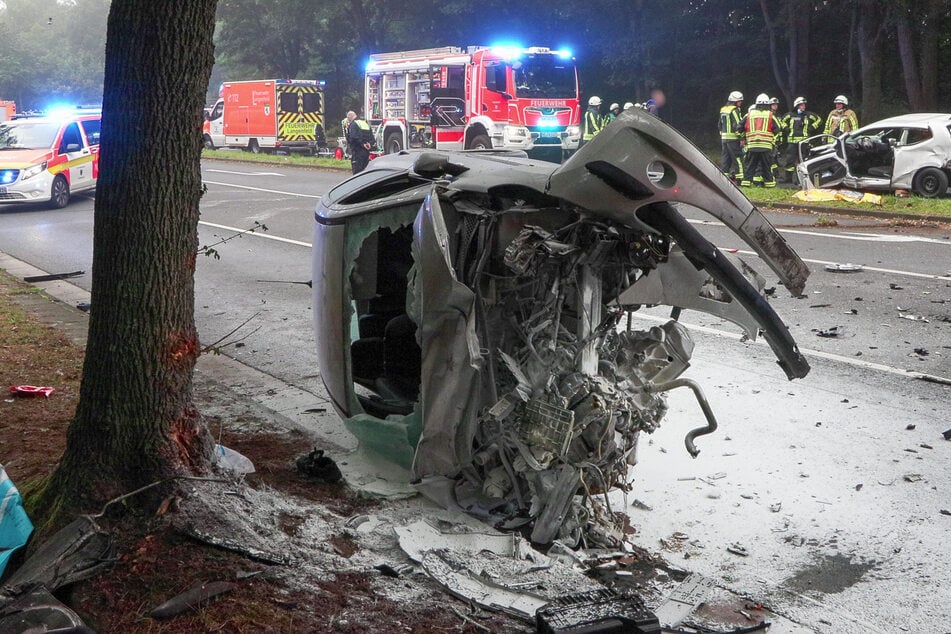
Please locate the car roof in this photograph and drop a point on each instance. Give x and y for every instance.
(85, 116)
(920, 119)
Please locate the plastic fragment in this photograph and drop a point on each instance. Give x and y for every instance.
(31, 390)
(191, 599)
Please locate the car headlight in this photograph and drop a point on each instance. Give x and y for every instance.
(516, 131)
(33, 170)
(573, 130)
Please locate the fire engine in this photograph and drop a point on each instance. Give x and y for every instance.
(478, 98)
(267, 114)
(8, 110)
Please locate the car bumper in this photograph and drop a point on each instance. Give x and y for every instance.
(36, 189)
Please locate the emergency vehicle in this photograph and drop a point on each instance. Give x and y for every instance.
(478, 98)
(266, 115)
(46, 159)
(8, 110)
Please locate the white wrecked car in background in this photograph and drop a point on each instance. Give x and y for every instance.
(910, 152)
(471, 315)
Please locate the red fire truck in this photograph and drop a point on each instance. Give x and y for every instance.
(267, 115)
(479, 98)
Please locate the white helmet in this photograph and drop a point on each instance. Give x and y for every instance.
(736, 95)
(594, 101)
(774, 100)
(842, 99)
(762, 99)
(615, 106)
(628, 104)
(799, 101)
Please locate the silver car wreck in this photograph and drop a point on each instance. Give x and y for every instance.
(470, 314)
(911, 152)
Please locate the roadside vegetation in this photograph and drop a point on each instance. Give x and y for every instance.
(766, 198)
(292, 159)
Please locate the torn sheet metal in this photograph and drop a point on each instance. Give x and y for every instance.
(685, 598)
(77, 551)
(39, 611)
(598, 611)
(420, 537)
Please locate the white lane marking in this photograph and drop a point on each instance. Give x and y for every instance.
(246, 173)
(259, 189)
(843, 235)
(256, 234)
(927, 276)
(807, 351)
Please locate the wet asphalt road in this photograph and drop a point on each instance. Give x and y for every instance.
(854, 545)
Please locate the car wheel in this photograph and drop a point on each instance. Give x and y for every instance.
(393, 143)
(930, 182)
(253, 146)
(209, 144)
(480, 142)
(59, 196)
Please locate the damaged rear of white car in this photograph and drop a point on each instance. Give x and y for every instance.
(471, 314)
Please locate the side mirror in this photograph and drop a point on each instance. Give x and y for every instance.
(506, 95)
(893, 143)
(72, 147)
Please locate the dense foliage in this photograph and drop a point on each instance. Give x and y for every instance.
(883, 54)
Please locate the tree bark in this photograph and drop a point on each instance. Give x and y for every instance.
(871, 30)
(135, 422)
(909, 61)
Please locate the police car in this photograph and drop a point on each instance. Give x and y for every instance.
(47, 159)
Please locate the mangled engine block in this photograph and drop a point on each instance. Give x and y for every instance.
(573, 383)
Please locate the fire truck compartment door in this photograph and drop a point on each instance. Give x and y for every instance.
(448, 104)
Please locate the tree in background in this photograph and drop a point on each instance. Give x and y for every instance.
(135, 422)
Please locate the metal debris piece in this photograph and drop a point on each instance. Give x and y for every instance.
(830, 333)
(921, 352)
(685, 598)
(896, 287)
(52, 276)
(910, 426)
(945, 512)
(420, 537)
(738, 549)
(913, 477)
(844, 268)
(39, 611)
(911, 317)
(946, 434)
(194, 598)
(252, 552)
(597, 611)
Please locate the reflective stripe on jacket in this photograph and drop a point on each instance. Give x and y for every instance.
(801, 125)
(761, 129)
(592, 124)
(841, 121)
(731, 123)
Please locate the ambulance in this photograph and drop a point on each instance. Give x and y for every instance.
(47, 159)
(268, 115)
(505, 97)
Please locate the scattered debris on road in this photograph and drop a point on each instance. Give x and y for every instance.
(52, 277)
(845, 268)
(318, 467)
(31, 390)
(830, 333)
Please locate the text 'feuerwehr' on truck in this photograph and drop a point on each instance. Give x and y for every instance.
(480, 98)
(268, 115)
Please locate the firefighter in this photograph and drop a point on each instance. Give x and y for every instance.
(593, 122)
(761, 130)
(613, 112)
(359, 140)
(799, 125)
(628, 105)
(731, 135)
(779, 140)
(842, 119)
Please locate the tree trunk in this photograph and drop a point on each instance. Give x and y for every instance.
(909, 61)
(135, 422)
(871, 31)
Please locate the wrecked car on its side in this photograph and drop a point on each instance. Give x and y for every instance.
(472, 314)
(911, 152)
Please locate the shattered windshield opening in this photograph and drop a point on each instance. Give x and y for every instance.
(544, 77)
(26, 135)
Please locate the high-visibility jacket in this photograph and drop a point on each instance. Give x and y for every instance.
(799, 126)
(593, 122)
(731, 123)
(761, 129)
(841, 121)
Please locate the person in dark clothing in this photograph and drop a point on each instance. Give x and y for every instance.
(359, 140)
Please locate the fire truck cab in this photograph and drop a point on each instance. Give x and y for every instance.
(479, 98)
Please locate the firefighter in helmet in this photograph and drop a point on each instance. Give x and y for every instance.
(360, 141)
(731, 136)
(842, 119)
(593, 122)
(799, 125)
(613, 112)
(761, 130)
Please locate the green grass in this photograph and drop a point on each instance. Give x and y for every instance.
(914, 205)
(292, 159)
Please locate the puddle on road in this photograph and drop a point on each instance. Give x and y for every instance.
(830, 575)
